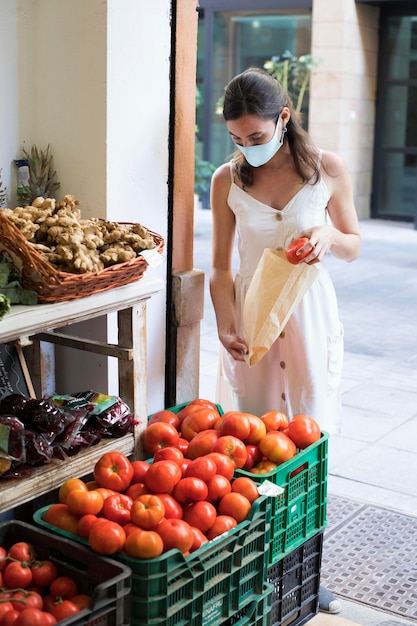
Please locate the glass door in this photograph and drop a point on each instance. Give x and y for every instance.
(395, 163)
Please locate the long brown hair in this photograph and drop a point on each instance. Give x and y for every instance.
(255, 92)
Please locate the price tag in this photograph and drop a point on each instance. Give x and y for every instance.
(152, 257)
(270, 489)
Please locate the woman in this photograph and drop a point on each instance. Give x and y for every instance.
(279, 187)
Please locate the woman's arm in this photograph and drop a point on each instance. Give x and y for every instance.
(342, 237)
(221, 276)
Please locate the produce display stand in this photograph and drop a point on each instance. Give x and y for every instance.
(39, 323)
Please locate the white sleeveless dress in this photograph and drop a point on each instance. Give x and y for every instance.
(301, 373)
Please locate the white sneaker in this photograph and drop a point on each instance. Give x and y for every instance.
(328, 603)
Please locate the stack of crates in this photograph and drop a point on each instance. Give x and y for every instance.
(298, 518)
(223, 582)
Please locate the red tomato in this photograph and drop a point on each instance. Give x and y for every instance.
(303, 430)
(247, 487)
(232, 447)
(17, 574)
(113, 471)
(254, 455)
(198, 539)
(144, 544)
(217, 487)
(21, 551)
(275, 420)
(5, 606)
(139, 470)
(225, 465)
(64, 609)
(208, 404)
(235, 423)
(63, 587)
(201, 419)
(43, 573)
(107, 538)
(257, 430)
(162, 476)
(117, 508)
(190, 489)
(175, 533)
(184, 466)
(10, 618)
(25, 599)
(187, 410)
(292, 252)
(200, 514)
(159, 435)
(222, 524)
(169, 454)
(105, 492)
(82, 600)
(183, 445)
(165, 416)
(234, 504)
(264, 467)
(85, 524)
(69, 485)
(173, 508)
(202, 467)
(81, 502)
(202, 443)
(277, 447)
(33, 617)
(3, 558)
(136, 490)
(147, 511)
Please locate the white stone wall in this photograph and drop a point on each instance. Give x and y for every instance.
(343, 88)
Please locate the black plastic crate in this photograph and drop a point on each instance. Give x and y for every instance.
(296, 581)
(108, 582)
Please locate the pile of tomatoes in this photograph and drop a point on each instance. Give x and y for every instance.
(33, 593)
(256, 444)
(146, 508)
(187, 493)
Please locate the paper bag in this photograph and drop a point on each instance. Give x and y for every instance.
(276, 288)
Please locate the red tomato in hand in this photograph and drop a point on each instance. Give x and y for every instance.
(292, 254)
(113, 471)
(277, 447)
(303, 430)
(117, 508)
(159, 435)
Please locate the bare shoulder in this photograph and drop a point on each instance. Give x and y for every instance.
(222, 173)
(335, 170)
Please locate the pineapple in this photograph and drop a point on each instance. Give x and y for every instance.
(42, 176)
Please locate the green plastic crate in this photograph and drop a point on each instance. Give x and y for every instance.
(301, 510)
(107, 581)
(296, 582)
(257, 613)
(207, 587)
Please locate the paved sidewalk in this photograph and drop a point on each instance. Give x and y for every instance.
(374, 460)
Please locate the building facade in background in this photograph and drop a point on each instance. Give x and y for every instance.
(363, 90)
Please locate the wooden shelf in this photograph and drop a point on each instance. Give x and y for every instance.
(37, 322)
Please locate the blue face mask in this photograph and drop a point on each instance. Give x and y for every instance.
(263, 152)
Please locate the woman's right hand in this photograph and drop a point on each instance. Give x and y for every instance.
(235, 346)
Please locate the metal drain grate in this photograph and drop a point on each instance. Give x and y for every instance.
(370, 556)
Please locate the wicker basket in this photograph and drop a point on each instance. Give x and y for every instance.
(52, 285)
